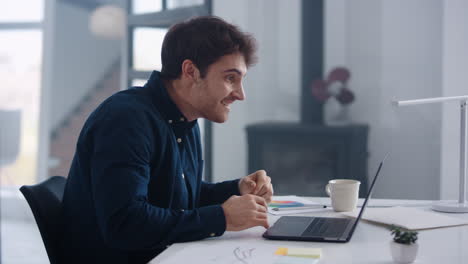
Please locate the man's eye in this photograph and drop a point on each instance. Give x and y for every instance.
(230, 78)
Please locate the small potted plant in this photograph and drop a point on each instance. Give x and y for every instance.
(404, 247)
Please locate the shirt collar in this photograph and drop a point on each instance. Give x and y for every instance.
(164, 103)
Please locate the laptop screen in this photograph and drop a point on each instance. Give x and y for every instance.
(368, 194)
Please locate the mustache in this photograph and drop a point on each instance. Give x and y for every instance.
(229, 99)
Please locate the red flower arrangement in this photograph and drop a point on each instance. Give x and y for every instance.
(335, 85)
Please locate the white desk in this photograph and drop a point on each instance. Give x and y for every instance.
(369, 244)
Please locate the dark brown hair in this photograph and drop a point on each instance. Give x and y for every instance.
(203, 40)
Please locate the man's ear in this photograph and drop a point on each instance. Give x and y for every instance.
(190, 71)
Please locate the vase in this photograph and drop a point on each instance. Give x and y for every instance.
(403, 253)
(336, 114)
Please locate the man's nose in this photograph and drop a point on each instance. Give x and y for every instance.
(239, 93)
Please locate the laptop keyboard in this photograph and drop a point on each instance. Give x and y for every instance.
(326, 227)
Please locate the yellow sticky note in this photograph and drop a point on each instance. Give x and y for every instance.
(305, 252)
(281, 251)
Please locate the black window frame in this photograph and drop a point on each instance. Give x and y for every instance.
(164, 19)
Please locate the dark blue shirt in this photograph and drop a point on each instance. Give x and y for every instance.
(135, 185)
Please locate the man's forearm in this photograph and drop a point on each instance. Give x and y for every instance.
(143, 226)
(218, 193)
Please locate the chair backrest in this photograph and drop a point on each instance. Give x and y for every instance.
(45, 200)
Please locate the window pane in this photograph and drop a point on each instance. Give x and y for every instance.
(21, 10)
(171, 4)
(146, 6)
(138, 82)
(201, 124)
(147, 44)
(20, 72)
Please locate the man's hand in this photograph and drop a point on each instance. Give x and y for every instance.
(257, 183)
(244, 212)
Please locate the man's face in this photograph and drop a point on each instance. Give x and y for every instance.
(221, 86)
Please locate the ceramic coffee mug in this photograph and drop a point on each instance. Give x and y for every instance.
(343, 193)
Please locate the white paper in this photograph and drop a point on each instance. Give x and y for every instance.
(389, 203)
(230, 252)
(409, 218)
(293, 211)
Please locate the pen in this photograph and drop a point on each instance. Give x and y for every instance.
(312, 206)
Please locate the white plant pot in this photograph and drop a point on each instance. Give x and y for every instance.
(402, 253)
(336, 114)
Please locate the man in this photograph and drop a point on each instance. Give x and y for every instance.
(135, 185)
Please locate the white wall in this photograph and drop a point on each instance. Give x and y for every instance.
(393, 50)
(272, 86)
(80, 60)
(411, 68)
(455, 63)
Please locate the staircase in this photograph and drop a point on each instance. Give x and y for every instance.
(64, 138)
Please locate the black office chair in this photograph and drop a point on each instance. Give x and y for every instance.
(45, 200)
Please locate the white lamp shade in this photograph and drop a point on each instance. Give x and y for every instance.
(108, 21)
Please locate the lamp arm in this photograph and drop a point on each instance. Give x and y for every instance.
(430, 100)
(449, 206)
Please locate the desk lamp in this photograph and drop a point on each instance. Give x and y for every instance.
(451, 206)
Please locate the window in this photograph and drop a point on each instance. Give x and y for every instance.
(147, 43)
(171, 4)
(20, 72)
(148, 23)
(138, 82)
(15, 11)
(146, 6)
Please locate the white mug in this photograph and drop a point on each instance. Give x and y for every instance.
(343, 193)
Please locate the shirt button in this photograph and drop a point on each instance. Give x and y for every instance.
(182, 119)
(170, 121)
(182, 210)
(179, 140)
(183, 176)
(212, 234)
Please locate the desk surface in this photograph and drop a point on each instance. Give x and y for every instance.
(369, 244)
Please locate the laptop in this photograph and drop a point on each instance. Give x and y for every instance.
(320, 229)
